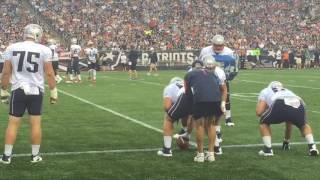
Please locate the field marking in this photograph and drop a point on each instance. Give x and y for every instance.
(146, 150)
(137, 80)
(296, 86)
(111, 111)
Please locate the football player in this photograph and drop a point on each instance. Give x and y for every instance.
(25, 65)
(55, 59)
(208, 90)
(277, 104)
(75, 51)
(228, 61)
(153, 62)
(92, 54)
(177, 106)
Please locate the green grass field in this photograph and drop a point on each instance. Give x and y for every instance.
(113, 130)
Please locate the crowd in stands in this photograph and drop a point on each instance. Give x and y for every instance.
(170, 25)
(183, 24)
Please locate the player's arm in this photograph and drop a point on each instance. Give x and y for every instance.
(6, 75)
(50, 74)
(262, 106)
(223, 90)
(51, 81)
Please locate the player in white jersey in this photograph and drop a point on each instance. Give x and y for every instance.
(228, 61)
(92, 54)
(277, 104)
(177, 106)
(75, 51)
(55, 59)
(26, 64)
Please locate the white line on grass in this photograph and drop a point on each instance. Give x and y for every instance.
(111, 111)
(147, 150)
(296, 86)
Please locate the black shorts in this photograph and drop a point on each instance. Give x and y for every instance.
(19, 102)
(133, 66)
(181, 108)
(206, 109)
(1, 67)
(92, 65)
(280, 112)
(55, 65)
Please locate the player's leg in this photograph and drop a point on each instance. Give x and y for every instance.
(265, 132)
(228, 119)
(34, 106)
(94, 73)
(167, 137)
(77, 69)
(287, 136)
(211, 130)
(16, 111)
(306, 131)
(200, 131)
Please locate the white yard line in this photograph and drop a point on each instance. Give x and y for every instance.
(296, 86)
(113, 151)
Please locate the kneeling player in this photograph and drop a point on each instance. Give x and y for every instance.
(276, 105)
(177, 106)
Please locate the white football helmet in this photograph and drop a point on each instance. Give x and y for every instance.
(74, 41)
(275, 85)
(218, 40)
(176, 80)
(218, 43)
(210, 62)
(33, 31)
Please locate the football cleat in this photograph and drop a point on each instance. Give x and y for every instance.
(219, 137)
(229, 122)
(5, 159)
(209, 156)
(313, 151)
(217, 150)
(36, 158)
(199, 157)
(166, 152)
(266, 152)
(285, 146)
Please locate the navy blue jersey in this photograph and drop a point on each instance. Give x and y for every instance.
(203, 85)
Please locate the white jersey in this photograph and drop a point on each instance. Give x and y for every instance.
(75, 50)
(270, 96)
(54, 48)
(227, 58)
(173, 91)
(208, 51)
(123, 58)
(92, 54)
(27, 59)
(220, 74)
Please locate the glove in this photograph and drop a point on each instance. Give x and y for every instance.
(223, 106)
(54, 95)
(4, 96)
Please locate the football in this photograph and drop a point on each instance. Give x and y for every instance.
(183, 143)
